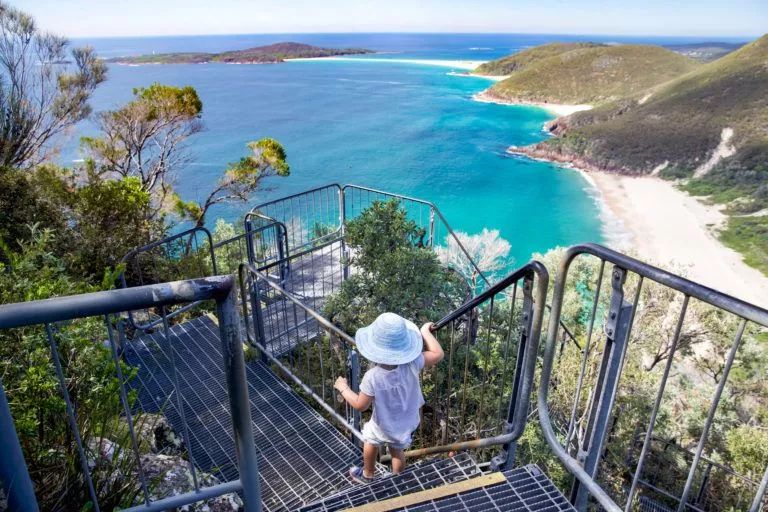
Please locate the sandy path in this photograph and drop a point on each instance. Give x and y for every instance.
(670, 227)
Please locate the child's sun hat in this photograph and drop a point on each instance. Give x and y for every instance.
(390, 339)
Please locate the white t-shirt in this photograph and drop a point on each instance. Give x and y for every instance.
(397, 397)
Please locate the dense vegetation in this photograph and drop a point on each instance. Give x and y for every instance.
(583, 73)
(269, 54)
(64, 231)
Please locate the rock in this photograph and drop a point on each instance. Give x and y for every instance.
(170, 475)
(154, 430)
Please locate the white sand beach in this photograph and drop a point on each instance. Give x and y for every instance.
(558, 109)
(672, 228)
(454, 64)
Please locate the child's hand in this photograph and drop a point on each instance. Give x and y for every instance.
(341, 384)
(427, 328)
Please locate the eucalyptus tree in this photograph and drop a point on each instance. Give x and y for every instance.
(240, 180)
(44, 88)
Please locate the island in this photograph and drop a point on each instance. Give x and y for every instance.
(270, 54)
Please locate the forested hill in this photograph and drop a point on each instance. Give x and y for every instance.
(580, 73)
(270, 54)
(708, 128)
(675, 128)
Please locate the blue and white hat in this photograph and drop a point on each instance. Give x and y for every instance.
(390, 339)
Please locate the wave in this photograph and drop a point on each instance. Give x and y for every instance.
(480, 48)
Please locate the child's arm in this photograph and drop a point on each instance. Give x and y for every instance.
(434, 353)
(358, 401)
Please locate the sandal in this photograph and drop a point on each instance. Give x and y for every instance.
(356, 473)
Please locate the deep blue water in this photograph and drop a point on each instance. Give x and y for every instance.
(403, 127)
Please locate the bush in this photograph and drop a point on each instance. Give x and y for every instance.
(35, 397)
(391, 272)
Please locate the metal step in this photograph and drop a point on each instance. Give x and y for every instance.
(524, 489)
(418, 477)
(302, 456)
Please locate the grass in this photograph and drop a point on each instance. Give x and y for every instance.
(748, 236)
(525, 58)
(590, 74)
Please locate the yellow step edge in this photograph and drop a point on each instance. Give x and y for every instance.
(431, 494)
(213, 318)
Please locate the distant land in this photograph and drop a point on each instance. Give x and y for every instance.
(705, 52)
(701, 123)
(270, 54)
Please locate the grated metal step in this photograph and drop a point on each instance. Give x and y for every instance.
(302, 456)
(418, 477)
(525, 489)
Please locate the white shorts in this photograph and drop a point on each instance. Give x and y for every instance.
(372, 434)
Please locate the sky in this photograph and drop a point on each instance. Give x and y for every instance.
(706, 18)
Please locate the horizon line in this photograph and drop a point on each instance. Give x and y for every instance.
(705, 38)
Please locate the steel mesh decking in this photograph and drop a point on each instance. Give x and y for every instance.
(311, 277)
(418, 477)
(526, 489)
(302, 457)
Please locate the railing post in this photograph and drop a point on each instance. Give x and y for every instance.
(258, 317)
(343, 227)
(282, 251)
(14, 476)
(237, 388)
(616, 331)
(353, 365)
(432, 226)
(757, 503)
(249, 242)
(506, 459)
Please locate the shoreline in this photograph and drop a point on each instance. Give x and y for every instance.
(558, 109)
(670, 228)
(456, 64)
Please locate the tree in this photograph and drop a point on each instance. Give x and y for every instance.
(42, 93)
(240, 180)
(487, 249)
(146, 138)
(391, 272)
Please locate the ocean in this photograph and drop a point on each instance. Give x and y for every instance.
(405, 127)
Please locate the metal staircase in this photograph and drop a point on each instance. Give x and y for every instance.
(302, 457)
(250, 389)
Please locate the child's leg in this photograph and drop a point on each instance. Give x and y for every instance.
(398, 459)
(369, 459)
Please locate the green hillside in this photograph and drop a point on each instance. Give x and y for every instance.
(517, 61)
(676, 127)
(592, 74)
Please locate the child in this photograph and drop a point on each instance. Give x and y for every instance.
(392, 385)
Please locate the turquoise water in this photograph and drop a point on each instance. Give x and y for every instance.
(407, 128)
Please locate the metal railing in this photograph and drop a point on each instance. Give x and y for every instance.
(186, 255)
(305, 347)
(311, 352)
(586, 440)
(55, 315)
(436, 230)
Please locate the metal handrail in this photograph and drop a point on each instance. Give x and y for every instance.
(533, 334)
(689, 289)
(157, 243)
(247, 268)
(14, 474)
(437, 211)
